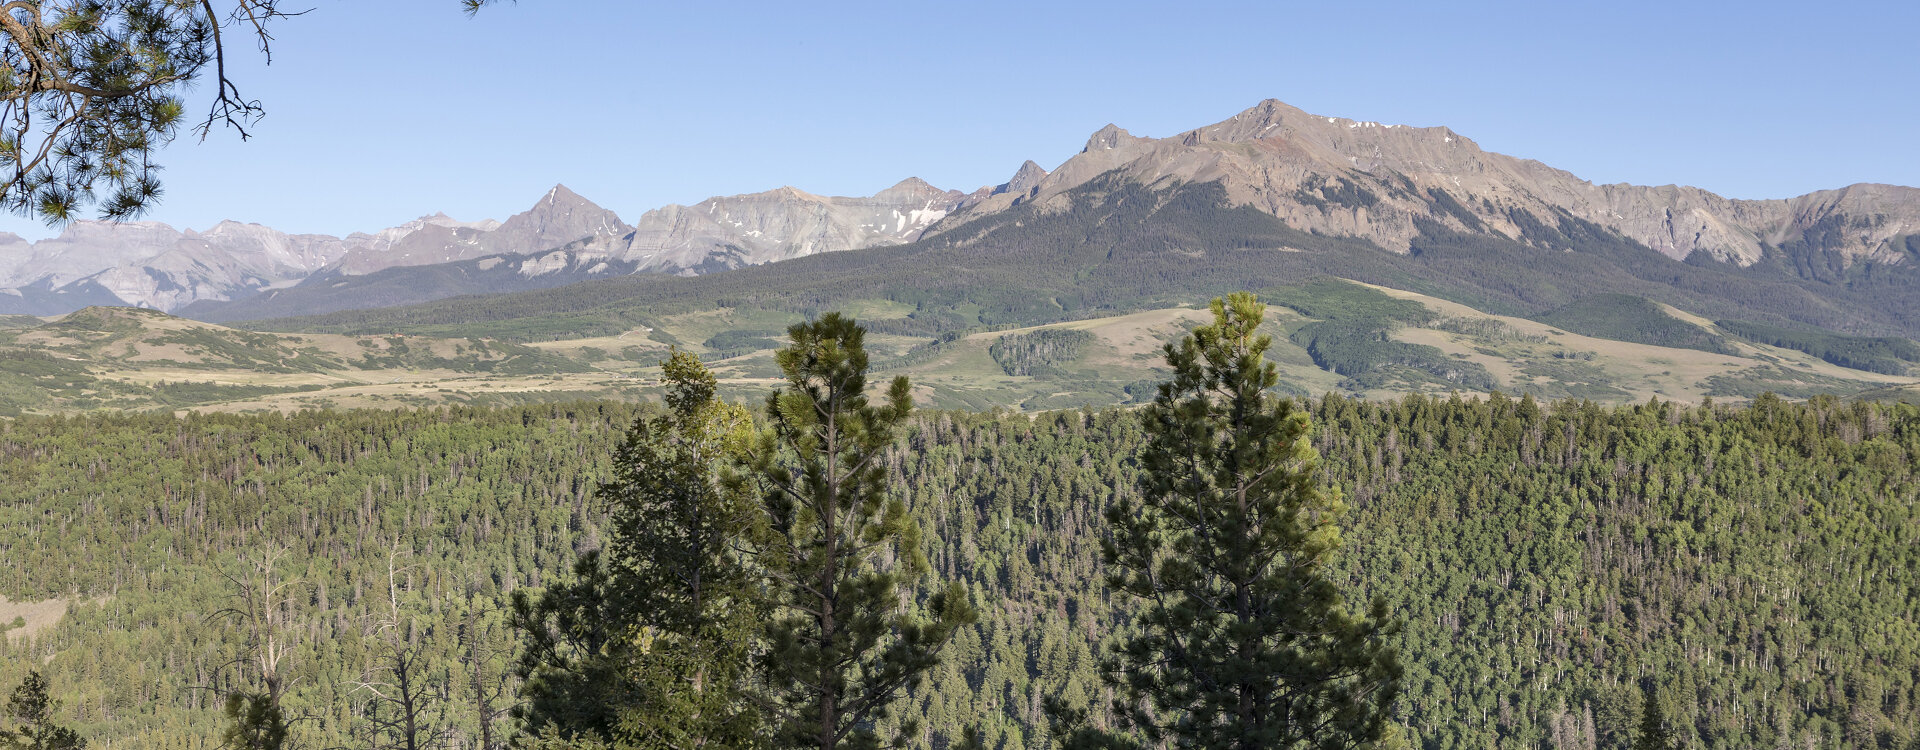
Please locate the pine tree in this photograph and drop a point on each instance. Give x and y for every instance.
(1653, 734)
(842, 648)
(1242, 640)
(572, 647)
(31, 711)
(651, 644)
(675, 550)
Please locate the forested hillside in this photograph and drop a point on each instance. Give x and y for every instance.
(1754, 564)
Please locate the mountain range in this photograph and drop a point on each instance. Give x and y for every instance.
(1396, 188)
(563, 237)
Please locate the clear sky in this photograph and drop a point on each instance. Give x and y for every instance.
(380, 111)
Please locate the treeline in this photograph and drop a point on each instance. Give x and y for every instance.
(1040, 352)
(1355, 339)
(1636, 319)
(1885, 355)
(1754, 565)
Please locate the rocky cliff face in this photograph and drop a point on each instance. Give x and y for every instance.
(1360, 178)
(743, 230)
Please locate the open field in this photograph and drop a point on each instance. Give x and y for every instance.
(139, 359)
(25, 619)
(1642, 371)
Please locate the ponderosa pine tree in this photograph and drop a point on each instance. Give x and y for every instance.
(651, 645)
(30, 709)
(842, 646)
(1242, 641)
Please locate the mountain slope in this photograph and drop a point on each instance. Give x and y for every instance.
(149, 264)
(1114, 244)
(1501, 231)
(1359, 178)
(334, 290)
(1430, 193)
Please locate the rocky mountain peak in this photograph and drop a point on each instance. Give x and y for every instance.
(1259, 121)
(561, 195)
(561, 216)
(227, 225)
(911, 189)
(1110, 137)
(787, 193)
(1024, 179)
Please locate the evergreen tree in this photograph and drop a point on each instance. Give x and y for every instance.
(842, 646)
(31, 711)
(651, 645)
(1653, 734)
(1243, 640)
(675, 550)
(571, 652)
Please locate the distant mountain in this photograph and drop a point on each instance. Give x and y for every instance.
(1136, 224)
(1407, 190)
(148, 264)
(334, 290)
(238, 269)
(560, 217)
(745, 230)
(1336, 176)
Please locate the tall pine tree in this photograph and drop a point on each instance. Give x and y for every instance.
(651, 645)
(1241, 641)
(30, 709)
(1653, 734)
(843, 645)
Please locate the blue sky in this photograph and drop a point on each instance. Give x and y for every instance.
(383, 110)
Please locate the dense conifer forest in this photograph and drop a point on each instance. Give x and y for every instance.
(1752, 566)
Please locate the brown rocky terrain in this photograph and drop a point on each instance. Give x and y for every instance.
(1367, 179)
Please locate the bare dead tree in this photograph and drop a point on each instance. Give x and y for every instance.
(408, 707)
(263, 607)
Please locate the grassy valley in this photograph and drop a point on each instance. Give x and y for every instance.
(1331, 336)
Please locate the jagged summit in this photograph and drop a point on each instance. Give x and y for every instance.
(1024, 179)
(1108, 138)
(1383, 183)
(741, 230)
(912, 188)
(560, 194)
